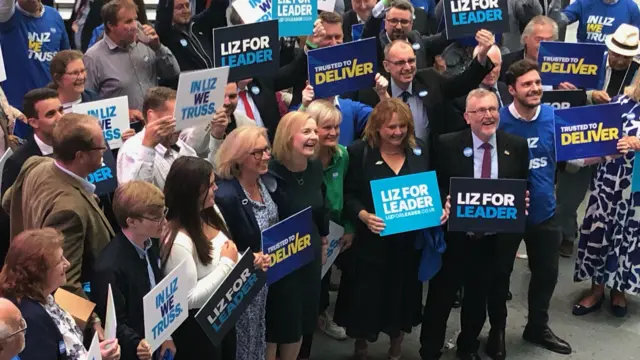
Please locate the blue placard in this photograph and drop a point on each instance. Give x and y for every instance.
(580, 64)
(356, 31)
(105, 178)
(464, 17)
(288, 243)
(295, 17)
(407, 203)
(635, 176)
(587, 131)
(335, 70)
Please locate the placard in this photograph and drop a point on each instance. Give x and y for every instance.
(564, 99)
(249, 50)
(252, 11)
(288, 243)
(587, 131)
(488, 205)
(112, 114)
(111, 322)
(335, 233)
(635, 176)
(295, 17)
(408, 202)
(465, 17)
(338, 69)
(105, 178)
(78, 307)
(230, 300)
(326, 5)
(94, 350)
(200, 93)
(577, 63)
(166, 306)
(356, 31)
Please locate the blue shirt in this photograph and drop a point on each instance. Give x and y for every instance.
(28, 45)
(144, 254)
(540, 135)
(597, 19)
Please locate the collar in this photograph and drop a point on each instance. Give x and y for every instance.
(44, 148)
(396, 91)
(360, 20)
(336, 103)
(89, 187)
(477, 142)
(141, 252)
(29, 14)
(514, 112)
(113, 46)
(161, 149)
(490, 88)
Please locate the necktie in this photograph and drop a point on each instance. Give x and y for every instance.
(405, 96)
(247, 106)
(486, 161)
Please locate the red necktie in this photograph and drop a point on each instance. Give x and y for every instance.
(247, 106)
(486, 161)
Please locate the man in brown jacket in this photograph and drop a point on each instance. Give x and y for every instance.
(55, 193)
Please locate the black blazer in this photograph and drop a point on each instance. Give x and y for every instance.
(43, 340)
(120, 265)
(238, 214)
(508, 60)
(350, 18)
(456, 109)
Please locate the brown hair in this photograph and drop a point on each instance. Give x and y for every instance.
(28, 261)
(404, 5)
(330, 17)
(135, 199)
(382, 113)
(155, 99)
(72, 134)
(59, 64)
(518, 69)
(110, 10)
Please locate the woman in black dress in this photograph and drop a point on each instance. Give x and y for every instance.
(292, 303)
(384, 293)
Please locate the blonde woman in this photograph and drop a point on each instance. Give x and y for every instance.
(245, 203)
(292, 303)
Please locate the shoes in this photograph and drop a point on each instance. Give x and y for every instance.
(496, 349)
(468, 356)
(579, 310)
(547, 339)
(617, 310)
(566, 248)
(330, 328)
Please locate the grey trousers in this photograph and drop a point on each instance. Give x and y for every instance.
(571, 190)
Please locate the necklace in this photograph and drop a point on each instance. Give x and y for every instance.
(300, 180)
(391, 152)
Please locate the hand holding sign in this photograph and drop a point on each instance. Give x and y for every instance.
(229, 251)
(261, 261)
(307, 95)
(446, 211)
(627, 143)
(600, 97)
(526, 203)
(318, 33)
(381, 87)
(345, 242)
(144, 350)
(110, 349)
(158, 130)
(374, 223)
(485, 41)
(219, 123)
(567, 86)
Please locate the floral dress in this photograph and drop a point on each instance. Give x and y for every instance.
(608, 249)
(71, 334)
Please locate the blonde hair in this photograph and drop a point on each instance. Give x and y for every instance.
(288, 126)
(235, 148)
(633, 90)
(542, 21)
(382, 113)
(323, 111)
(136, 199)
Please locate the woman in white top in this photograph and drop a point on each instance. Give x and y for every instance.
(197, 234)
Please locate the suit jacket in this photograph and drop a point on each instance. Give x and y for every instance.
(421, 23)
(513, 159)
(456, 109)
(45, 196)
(238, 214)
(508, 60)
(120, 265)
(42, 338)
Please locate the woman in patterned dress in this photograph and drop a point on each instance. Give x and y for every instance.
(248, 209)
(608, 251)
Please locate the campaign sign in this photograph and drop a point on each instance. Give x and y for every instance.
(288, 243)
(295, 17)
(587, 131)
(335, 233)
(465, 17)
(326, 5)
(166, 306)
(356, 31)
(113, 115)
(94, 350)
(105, 178)
(252, 11)
(407, 203)
(111, 322)
(200, 93)
(335, 70)
(635, 176)
(248, 50)
(577, 63)
(229, 301)
(564, 99)
(488, 205)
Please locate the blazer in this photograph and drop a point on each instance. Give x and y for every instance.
(45, 196)
(42, 338)
(421, 23)
(120, 265)
(508, 60)
(456, 109)
(238, 214)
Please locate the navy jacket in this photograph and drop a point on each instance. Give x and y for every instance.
(238, 214)
(43, 340)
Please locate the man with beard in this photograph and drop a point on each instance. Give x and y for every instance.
(528, 118)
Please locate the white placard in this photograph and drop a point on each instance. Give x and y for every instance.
(335, 233)
(166, 306)
(3, 73)
(252, 11)
(110, 323)
(94, 349)
(326, 5)
(112, 114)
(5, 156)
(200, 93)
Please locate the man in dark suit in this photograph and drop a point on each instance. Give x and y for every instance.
(361, 11)
(483, 262)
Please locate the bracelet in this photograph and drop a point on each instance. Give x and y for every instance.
(311, 45)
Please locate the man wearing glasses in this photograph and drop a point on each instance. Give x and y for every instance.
(12, 330)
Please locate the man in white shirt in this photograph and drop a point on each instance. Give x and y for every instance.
(149, 154)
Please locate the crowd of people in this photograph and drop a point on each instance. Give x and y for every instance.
(202, 196)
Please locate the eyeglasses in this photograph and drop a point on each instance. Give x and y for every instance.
(101, 148)
(410, 61)
(164, 216)
(23, 327)
(258, 154)
(491, 110)
(394, 21)
(77, 73)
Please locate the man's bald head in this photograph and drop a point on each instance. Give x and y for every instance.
(400, 62)
(494, 54)
(496, 58)
(11, 343)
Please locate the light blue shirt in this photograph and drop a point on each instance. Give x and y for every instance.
(143, 253)
(478, 155)
(420, 120)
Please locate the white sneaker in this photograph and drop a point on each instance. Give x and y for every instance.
(331, 329)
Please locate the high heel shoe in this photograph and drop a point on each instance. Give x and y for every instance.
(579, 310)
(617, 310)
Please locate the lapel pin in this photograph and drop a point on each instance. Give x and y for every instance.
(415, 46)
(422, 93)
(506, 152)
(379, 162)
(417, 151)
(183, 42)
(467, 152)
(245, 201)
(255, 90)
